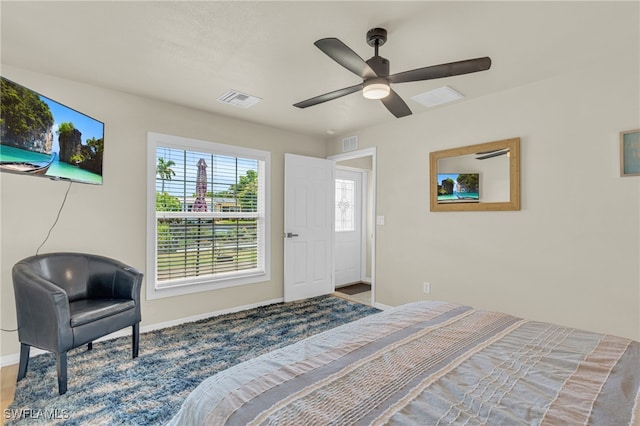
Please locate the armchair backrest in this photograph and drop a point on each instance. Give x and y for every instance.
(69, 271)
(80, 275)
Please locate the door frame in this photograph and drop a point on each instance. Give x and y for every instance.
(366, 152)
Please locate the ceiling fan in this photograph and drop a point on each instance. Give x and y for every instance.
(375, 73)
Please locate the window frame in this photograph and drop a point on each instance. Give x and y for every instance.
(155, 290)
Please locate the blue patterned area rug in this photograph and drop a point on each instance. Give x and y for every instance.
(106, 386)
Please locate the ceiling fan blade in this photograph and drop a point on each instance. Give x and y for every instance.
(442, 70)
(396, 105)
(342, 54)
(492, 154)
(328, 96)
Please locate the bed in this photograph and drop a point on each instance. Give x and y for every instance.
(430, 363)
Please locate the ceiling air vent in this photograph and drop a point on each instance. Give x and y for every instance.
(241, 100)
(350, 144)
(438, 96)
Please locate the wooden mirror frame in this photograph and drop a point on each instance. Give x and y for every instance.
(514, 177)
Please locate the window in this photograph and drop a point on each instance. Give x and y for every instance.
(345, 202)
(208, 216)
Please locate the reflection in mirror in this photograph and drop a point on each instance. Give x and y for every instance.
(477, 177)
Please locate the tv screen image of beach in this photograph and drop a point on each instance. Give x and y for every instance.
(458, 187)
(41, 137)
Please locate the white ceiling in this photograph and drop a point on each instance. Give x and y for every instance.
(190, 53)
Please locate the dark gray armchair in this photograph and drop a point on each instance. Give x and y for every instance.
(65, 300)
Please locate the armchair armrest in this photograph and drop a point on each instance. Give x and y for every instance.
(111, 278)
(42, 308)
(127, 283)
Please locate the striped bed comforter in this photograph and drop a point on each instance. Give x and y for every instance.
(430, 363)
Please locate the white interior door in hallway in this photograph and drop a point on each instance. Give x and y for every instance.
(349, 234)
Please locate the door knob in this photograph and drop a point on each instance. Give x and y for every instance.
(290, 235)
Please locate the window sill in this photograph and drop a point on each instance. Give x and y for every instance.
(159, 292)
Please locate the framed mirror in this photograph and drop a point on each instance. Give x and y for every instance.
(482, 177)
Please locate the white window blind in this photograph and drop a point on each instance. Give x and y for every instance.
(210, 216)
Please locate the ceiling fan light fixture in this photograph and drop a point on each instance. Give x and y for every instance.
(376, 89)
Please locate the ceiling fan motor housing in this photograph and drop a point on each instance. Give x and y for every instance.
(379, 65)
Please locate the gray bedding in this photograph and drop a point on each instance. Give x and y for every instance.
(430, 363)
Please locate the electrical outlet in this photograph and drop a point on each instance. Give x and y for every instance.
(426, 287)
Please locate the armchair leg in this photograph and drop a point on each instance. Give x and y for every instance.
(90, 346)
(135, 339)
(62, 373)
(24, 361)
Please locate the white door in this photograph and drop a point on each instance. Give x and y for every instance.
(308, 227)
(348, 227)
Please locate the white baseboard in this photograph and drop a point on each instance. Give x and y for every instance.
(382, 306)
(15, 358)
(199, 317)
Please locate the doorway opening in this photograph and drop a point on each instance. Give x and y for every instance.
(354, 266)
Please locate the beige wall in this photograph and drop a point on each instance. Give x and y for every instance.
(111, 219)
(571, 255)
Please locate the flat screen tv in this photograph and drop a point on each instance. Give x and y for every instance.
(458, 187)
(40, 137)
